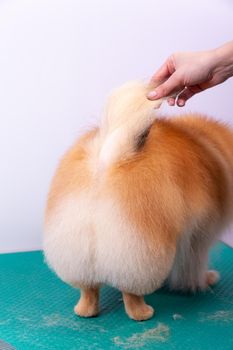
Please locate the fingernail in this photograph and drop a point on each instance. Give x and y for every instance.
(171, 103)
(152, 94)
(181, 103)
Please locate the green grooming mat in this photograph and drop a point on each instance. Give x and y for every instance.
(36, 312)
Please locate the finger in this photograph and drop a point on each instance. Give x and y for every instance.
(171, 101)
(162, 74)
(171, 86)
(186, 94)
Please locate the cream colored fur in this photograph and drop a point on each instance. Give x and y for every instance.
(128, 112)
(94, 244)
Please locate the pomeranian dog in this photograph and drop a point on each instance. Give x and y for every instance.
(139, 201)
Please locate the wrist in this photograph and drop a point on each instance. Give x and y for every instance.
(223, 58)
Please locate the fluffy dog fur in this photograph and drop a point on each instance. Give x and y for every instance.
(138, 201)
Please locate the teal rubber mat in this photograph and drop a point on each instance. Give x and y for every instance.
(36, 312)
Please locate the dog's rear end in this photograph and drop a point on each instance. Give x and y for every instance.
(138, 201)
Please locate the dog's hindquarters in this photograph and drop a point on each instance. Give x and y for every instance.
(190, 269)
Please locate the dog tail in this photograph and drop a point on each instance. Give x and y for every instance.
(126, 121)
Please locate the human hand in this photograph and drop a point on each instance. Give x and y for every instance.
(185, 74)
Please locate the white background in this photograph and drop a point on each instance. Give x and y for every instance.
(59, 60)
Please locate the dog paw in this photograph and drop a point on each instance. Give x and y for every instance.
(84, 309)
(212, 277)
(141, 313)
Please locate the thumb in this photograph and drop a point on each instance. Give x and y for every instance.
(169, 87)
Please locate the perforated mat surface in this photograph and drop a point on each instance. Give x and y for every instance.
(36, 312)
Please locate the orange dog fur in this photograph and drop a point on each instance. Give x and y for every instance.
(139, 200)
